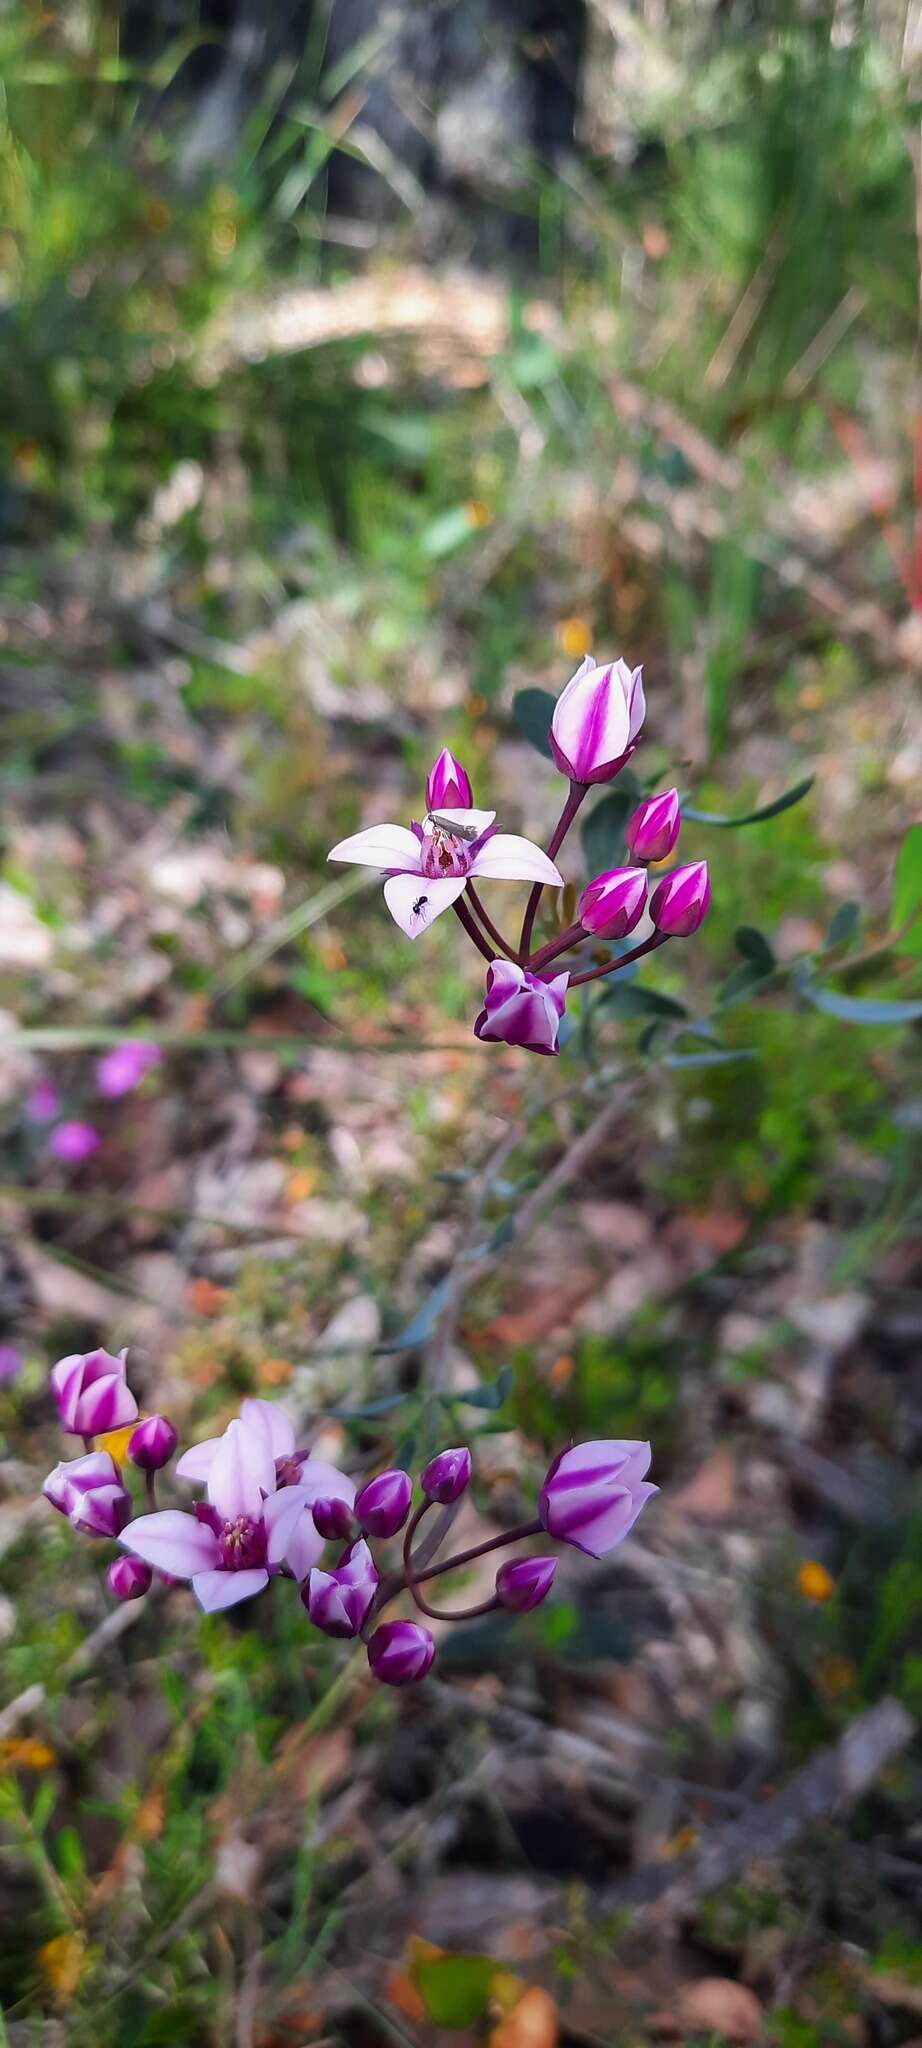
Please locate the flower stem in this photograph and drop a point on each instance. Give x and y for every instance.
(452, 1564)
(571, 937)
(464, 917)
(612, 966)
(488, 925)
(575, 796)
(150, 1483)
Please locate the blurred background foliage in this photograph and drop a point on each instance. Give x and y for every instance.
(357, 374)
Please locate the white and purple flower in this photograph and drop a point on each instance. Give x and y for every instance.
(597, 719)
(256, 1519)
(521, 1009)
(428, 866)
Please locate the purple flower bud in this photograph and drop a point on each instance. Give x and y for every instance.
(400, 1652)
(333, 1519)
(10, 1364)
(74, 1143)
(127, 1578)
(679, 902)
(525, 1581)
(655, 826)
(594, 1493)
(43, 1103)
(448, 786)
(125, 1066)
(521, 1009)
(447, 1476)
(152, 1444)
(92, 1393)
(89, 1491)
(597, 719)
(614, 903)
(338, 1601)
(383, 1505)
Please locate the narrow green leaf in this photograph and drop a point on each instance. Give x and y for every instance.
(602, 833)
(532, 711)
(423, 1323)
(772, 810)
(906, 908)
(755, 948)
(722, 1057)
(633, 1001)
(843, 926)
(857, 1009)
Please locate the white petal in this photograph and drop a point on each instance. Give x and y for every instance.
(243, 1471)
(271, 1424)
(382, 846)
(172, 1542)
(325, 1482)
(197, 1463)
(414, 901)
(214, 1590)
(281, 1515)
(507, 858)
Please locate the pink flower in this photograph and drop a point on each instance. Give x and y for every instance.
(253, 1522)
(448, 786)
(339, 1602)
(73, 1143)
(92, 1392)
(43, 1103)
(594, 1493)
(597, 719)
(613, 904)
(429, 866)
(400, 1652)
(125, 1066)
(90, 1492)
(521, 1009)
(680, 902)
(653, 829)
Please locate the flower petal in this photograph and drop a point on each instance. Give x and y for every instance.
(214, 1590)
(172, 1542)
(508, 858)
(197, 1462)
(381, 846)
(414, 901)
(242, 1472)
(325, 1482)
(271, 1425)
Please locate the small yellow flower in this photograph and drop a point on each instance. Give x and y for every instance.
(574, 637)
(479, 512)
(26, 1754)
(116, 1441)
(300, 1186)
(814, 1582)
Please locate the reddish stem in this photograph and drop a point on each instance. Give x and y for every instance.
(575, 795)
(571, 937)
(613, 966)
(488, 925)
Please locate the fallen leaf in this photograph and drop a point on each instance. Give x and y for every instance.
(204, 1298)
(61, 1964)
(531, 2024)
(403, 1994)
(722, 2006)
(711, 1493)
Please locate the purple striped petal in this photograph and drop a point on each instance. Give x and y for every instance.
(271, 1424)
(172, 1542)
(242, 1473)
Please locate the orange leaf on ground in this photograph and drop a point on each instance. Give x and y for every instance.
(531, 2024)
(721, 2006)
(711, 1493)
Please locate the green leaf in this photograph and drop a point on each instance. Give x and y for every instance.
(423, 1323)
(602, 832)
(716, 1057)
(532, 711)
(843, 926)
(632, 1001)
(450, 531)
(857, 1009)
(772, 810)
(489, 1397)
(456, 1990)
(906, 908)
(755, 948)
(382, 1407)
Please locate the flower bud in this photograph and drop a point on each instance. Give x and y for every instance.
(338, 1601)
(383, 1505)
(74, 1143)
(521, 1009)
(92, 1392)
(333, 1519)
(120, 1070)
(679, 903)
(89, 1491)
(446, 1477)
(594, 1493)
(448, 786)
(655, 826)
(614, 903)
(524, 1582)
(128, 1578)
(152, 1444)
(596, 720)
(400, 1652)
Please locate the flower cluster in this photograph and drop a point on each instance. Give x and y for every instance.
(269, 1510)
(438, 865)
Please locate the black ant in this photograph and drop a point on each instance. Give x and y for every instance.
(420, 905)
